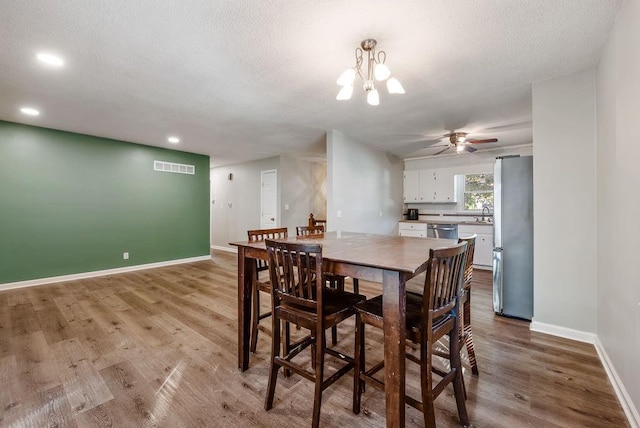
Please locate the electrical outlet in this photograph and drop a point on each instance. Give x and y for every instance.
(286, 206)
(339, 214)
(380, 213)
(125, 256)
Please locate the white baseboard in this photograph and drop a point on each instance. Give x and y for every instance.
(84, 275)
(621, 392)
(227, 249)
(568, 333)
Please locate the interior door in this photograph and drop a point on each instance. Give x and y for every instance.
(268, 199)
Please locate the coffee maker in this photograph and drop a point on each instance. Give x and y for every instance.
(412, 214)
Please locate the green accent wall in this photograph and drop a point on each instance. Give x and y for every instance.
(72, 203)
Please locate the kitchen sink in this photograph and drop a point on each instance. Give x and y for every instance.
(478, 221)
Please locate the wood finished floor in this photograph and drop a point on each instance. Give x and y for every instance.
(158, 348)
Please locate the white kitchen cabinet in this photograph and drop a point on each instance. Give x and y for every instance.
(406, 228)
(445, 190)
(483, 255)
(429, 186)
(411, 186)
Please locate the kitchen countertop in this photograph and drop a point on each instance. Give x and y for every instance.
(474, 223)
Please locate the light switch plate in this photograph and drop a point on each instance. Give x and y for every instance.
(339, 214)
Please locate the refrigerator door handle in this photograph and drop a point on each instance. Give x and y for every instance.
(497, 281)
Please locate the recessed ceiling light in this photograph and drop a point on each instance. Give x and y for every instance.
(173, 140)
(50, 59)
(29, 111)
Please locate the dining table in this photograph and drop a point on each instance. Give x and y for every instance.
(387, 259)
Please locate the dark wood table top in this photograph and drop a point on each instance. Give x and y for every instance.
(386, 252)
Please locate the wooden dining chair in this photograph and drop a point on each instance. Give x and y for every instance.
(429, 317)
(335, 281)
(261, 284)
(466, 336)
(299, 296)
(316, 222)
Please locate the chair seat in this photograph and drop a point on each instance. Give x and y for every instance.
(373, 308)
(337, 306)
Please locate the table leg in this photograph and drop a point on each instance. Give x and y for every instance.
(245, 280)
(394, 312)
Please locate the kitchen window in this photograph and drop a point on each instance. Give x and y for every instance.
(478, 192)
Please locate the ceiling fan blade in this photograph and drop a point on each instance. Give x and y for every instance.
(441, 151)
(469, 149)
(414, 147)
(490, 140)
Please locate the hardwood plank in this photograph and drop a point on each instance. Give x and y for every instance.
(5, 326)
(52, 323)
(35, 370)
(11, 391)
(83, 385)
(70, 308)
(135, 400)
(23, 320)
(48, 408)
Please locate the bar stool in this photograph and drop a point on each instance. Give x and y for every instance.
(429, 317)
(299, 295)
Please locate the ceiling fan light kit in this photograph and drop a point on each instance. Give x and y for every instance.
(459, 141)
(376, 69)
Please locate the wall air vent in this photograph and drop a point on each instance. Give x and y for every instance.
(178, 168)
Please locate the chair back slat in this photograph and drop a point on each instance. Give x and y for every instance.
(295, 270)
(443, 281)
(258, 235)
(309, 230)
(468, 264)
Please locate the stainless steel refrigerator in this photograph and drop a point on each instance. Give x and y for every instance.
(513, 237)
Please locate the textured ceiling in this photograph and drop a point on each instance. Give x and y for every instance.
(243, 80)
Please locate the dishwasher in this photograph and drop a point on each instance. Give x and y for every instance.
(442, 231)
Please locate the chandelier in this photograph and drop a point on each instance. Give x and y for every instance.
(375, 69)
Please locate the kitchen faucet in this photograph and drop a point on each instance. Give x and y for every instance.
(488, 212)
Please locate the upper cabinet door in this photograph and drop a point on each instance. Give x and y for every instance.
(427, 186)
(411, 186)
(445, 185)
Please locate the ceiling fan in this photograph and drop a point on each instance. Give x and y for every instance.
(459, 142)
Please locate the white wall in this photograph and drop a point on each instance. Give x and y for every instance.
(362, 183)
(565, 287)
(303, 189)
(618, 153)
(236, 207)
(236, 203)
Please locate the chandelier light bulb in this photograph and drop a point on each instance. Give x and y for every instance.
(373, 98)
(345, 93)
(459, 148)
(381, 72)
(347, 77)
(394, 86)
